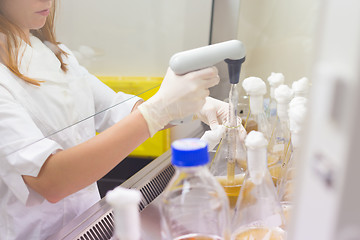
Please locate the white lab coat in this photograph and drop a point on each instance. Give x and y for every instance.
(33, 123)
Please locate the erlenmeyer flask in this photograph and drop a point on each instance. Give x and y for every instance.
(286, 184)
(230, 173)
(280, 137)
(230, 157)
(256, 89)
(258, 214)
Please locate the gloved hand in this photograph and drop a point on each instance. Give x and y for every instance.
(178, 97)
(216, 112)
(213, 113)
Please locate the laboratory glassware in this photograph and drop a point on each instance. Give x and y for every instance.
(274, 80)
(193, 205)
(229, 163)
(286, 184)
(280, 138)
(258, 213)
(256, 89)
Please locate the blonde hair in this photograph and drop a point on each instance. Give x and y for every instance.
(10, 44)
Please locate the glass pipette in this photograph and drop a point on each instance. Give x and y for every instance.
(232, 122)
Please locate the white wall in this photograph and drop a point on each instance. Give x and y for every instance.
(279, 37)
(133, 37)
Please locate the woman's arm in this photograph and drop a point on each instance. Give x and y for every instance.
(71, 170)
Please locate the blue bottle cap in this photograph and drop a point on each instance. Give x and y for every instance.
(189, 152)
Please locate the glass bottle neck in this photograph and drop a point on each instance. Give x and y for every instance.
(257, 160)
(192, 169)
(282, 111)
(256, 104)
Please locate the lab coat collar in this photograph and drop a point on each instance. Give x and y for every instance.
(37, 61)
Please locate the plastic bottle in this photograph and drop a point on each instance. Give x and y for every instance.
(126, 213)
(256, 89)
(258, 213)
(280, 137)
(194, 205)
(275, 80)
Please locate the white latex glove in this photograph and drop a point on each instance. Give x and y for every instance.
(215, 113)
(213, 137)
(178, 97)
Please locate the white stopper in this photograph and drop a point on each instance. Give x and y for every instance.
(256, 145)
(301, 87)
(283, 95)
(256, 88)
(297, 116)
(126, 214)
(298, 101)
(275, 80)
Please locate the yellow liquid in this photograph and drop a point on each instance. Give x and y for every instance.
(198, 237)
(232, 191)
(275, 172)
(274, 158)
(260, 234)
(251, 125)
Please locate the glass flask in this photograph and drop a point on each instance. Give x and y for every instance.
(193, 205)
(229, 163)
(258, 213)
(274, 80)
(280, 138)
(230, 158)
(256, 89)
(126, 214)
(286, 184)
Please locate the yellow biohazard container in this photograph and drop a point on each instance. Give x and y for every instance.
(144, 87)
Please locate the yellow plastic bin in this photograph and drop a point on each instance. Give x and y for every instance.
(144, 87)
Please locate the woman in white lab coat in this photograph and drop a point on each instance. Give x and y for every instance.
(48, 176)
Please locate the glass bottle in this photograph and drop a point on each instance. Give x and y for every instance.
(258, 214)
(274, 80)
(229, 163)
(194, 205)
(256, 89)
(280, 137)
(126, 214)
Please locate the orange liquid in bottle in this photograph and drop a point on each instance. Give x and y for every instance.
(260, 234)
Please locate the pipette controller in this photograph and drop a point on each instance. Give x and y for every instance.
(232, 52)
